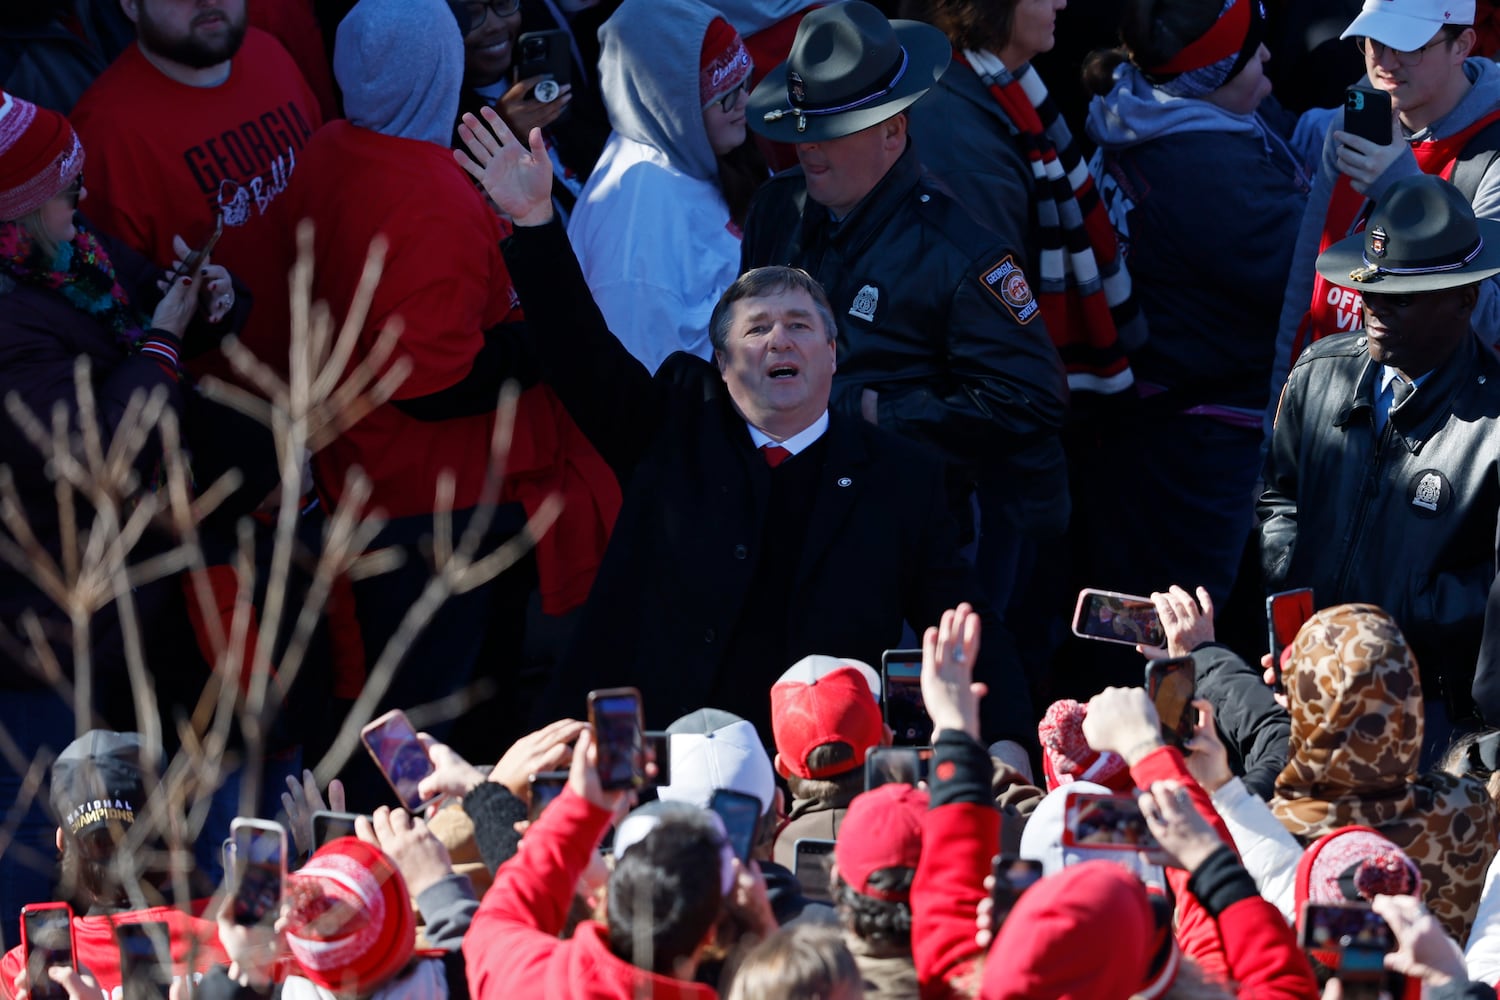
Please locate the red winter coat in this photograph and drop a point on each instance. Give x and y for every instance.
(512, 951)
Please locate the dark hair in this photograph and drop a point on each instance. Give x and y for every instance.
(763, 281)
(1151, 33)
(665, 893)
(742, 171)
(969, 24)
(879, 921)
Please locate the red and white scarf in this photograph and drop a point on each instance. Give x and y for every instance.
(1083, 287)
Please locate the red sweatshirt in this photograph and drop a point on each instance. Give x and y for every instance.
(512, 951)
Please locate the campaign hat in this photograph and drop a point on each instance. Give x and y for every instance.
(849, 68)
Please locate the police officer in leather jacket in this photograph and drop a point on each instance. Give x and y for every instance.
(1382, 483)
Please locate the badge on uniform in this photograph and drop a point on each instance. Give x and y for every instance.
(865, 304)
(1429, 493)
(1007, 282)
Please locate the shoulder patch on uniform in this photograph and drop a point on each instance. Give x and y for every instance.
(1006, 282)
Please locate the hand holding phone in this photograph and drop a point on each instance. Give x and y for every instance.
(47, 942)
(194, 260)
(1098, 822)
(328, 825)
(1012, 876)
(400, 755)
(896, 765)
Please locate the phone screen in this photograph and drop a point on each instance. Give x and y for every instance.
(259, 864)
(394, 745)
(331, 826)
(741, 816)
(1013, 876)
(905, 711)
(813, 866)
(1171, 686)
(1338, 928)
(659, 748)
(1286, 613)
(617, 728)
(545, 787)
(145, 960)
(896, 765)
(1118, 618)
(1106, 822)
(49, 942)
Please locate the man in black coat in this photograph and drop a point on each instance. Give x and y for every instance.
(757, 527)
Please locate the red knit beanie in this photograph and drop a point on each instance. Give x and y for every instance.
(724, 63)
(39, 156)
(1067, 756)
(350, 927)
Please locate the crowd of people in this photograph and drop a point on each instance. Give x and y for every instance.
(759, 339)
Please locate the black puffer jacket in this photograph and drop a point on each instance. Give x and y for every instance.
(1404, 520)
(961, 364)
(1253, 727)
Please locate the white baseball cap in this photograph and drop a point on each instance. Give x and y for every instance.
(1407, 25)
(731, 758)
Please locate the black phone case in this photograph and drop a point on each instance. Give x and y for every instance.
(1367, 114)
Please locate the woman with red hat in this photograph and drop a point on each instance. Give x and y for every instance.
(69, 294)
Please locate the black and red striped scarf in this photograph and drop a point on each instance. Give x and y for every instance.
(1083, 287)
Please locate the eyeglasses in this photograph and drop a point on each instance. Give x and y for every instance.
(477, 10)
(1378, 51)
(731, 100)
(73, 191)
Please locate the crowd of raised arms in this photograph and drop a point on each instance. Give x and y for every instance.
(750, 498)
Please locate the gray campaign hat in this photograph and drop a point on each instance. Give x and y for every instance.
(1422, 236)
(849, 68)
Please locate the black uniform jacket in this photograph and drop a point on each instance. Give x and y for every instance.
(677, 609)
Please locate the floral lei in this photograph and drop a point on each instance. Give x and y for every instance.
(81, 272)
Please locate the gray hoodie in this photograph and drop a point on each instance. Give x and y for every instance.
(400, 64)
(648, 68)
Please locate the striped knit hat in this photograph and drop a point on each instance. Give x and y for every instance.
(39, 156)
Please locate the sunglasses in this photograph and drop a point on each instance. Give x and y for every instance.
(729, 101)
(477, 12)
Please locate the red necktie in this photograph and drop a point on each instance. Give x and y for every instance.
(774, 454)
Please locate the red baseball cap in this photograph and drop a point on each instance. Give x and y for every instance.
(819, 701)
(882, 829)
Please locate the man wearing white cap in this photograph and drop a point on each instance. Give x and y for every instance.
(1445, 101)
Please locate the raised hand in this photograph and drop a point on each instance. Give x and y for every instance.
(517, 180)
(949, 690)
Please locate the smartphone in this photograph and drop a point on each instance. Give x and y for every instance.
(194, 259)
(545, 54)
(741, 816)
(46, 941)
(328, 826)
(1353, 935)
(1367, 114)
(615, 714)
(901, 685)
(1286, 613)
(812, 864)
(659, 751)
(1099, 822)
(1171, 686)
(896, 765)
(259, 870)
(1111, 617)
(400, 756)
(545, 786)
(145, 960)
(226, 852)
(1013, 876)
